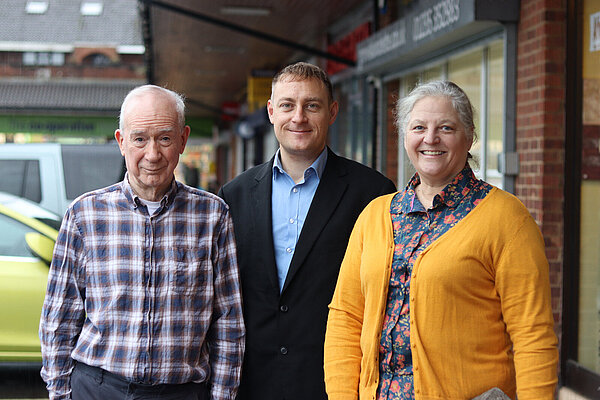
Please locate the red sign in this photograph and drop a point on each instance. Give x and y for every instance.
(230, 111)
(346, 47)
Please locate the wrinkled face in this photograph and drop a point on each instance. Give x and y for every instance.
(301, 114)
(151, 142)
(436, 141)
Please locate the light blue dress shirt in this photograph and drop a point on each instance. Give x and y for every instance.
(290, 203)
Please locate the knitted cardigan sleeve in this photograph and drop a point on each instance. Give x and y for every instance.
(522, 282)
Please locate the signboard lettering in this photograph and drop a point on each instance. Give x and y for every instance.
(435, 18)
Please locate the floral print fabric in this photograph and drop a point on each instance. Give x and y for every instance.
(415, 228)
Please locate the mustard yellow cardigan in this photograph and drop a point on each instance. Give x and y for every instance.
(479, 301)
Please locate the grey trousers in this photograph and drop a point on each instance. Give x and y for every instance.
(92, 383)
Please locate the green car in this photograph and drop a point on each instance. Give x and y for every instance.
(26, 246)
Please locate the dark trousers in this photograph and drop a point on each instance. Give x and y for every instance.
(92, 383)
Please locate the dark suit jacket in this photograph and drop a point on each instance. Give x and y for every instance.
(285, 333)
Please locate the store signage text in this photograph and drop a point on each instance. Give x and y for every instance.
(53, 126)
(410, 31)
(384, 44)
(435, 18)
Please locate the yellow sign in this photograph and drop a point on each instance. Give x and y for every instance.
(259, 91)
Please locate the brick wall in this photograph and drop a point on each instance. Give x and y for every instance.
(541, 126)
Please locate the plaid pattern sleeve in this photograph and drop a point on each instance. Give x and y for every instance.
(152, 298)
(63, 311)
(226, 333)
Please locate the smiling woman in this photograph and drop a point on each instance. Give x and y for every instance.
(437, 144)
(444, 284)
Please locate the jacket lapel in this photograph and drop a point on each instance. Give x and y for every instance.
(327, 197)
(260, 209)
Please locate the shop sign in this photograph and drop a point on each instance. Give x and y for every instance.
(59, 125)
(386, 42)
(346, 47)
(259, 91)
(426, 25)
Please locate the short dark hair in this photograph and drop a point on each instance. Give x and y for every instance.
(301, 71)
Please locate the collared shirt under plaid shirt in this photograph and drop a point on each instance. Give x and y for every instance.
(155, 299)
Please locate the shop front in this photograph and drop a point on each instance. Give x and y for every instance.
(470, 42)
(581, 316)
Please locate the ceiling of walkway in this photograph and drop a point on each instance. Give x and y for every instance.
(206, 49)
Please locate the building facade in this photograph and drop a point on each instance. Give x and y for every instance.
(66, 66)
(532, 70)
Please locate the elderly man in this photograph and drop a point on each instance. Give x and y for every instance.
(293, 216)
(143, 297)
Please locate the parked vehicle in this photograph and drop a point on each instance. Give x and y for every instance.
(26, 246)
(30, 209)
(53, 174)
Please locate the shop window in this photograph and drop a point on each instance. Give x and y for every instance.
(589, 274)
(465, 71)
(495, 112)
(352, 133)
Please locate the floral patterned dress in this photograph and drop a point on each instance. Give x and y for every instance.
(415, 228)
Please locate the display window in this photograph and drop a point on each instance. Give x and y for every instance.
(589, 272)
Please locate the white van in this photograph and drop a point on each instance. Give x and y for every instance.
(53, 174)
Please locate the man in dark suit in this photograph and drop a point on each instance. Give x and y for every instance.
(292, 219)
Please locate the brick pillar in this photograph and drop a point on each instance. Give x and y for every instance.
(541, 127)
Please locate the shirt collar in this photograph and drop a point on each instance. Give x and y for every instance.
(134, 199)
(318, 166)
(451, 195)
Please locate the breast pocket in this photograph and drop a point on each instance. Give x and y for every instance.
(191, 271)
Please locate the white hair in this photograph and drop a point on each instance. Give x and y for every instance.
(178, 101)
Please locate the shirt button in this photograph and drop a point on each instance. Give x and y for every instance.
(283, 350)
(289, 249)
(295, 190)
(284, 308)
(291, 220)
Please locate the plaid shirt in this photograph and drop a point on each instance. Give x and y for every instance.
(155, 299)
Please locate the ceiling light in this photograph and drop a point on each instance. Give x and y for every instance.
(246, 11)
